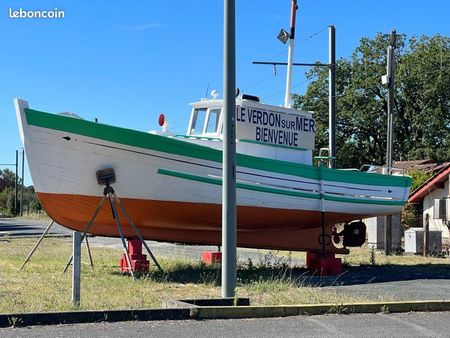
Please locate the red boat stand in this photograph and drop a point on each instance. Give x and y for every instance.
(139, 262)
(328, 265)
(211, 257)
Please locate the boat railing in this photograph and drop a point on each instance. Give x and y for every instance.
(198, 137)
(324, 159)
(384, 170)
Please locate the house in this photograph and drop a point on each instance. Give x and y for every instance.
(423, 197)
(375, 225)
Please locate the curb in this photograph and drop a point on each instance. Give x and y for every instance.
(230, 312)
(216, 312)
(78, 317)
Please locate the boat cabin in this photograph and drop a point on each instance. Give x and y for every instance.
(261, 130)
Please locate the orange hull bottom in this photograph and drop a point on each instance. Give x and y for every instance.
(198, 223)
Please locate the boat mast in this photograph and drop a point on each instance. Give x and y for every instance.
(287, 98)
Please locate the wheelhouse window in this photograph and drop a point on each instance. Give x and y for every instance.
(205, 121)
(198, 121)
(213, 121)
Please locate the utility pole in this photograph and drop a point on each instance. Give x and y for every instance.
(389, 80)
(332, 97)
(23, 183)
(229, 153)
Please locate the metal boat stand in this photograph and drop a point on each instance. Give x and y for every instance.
(47, 229)
(108, 193)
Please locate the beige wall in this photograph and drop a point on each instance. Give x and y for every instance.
(428, 207)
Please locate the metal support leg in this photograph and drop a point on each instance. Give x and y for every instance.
(138, 233)
(37, 244)
(86, 229)
(91, 263)
(109, 191)
(119, 227)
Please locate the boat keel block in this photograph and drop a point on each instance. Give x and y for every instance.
(139, 262)
(211, 257)
(328, 265)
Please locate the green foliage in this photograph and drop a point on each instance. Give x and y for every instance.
(31, 203)
(411, 214)
(9, 178)
(419, 177)
(7, 201)
(421, 105)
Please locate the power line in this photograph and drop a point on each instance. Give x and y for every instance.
(299, 42)
(283, 52)
(278, 93)
(259, 82)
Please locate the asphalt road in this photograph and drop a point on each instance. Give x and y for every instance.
(420, 324)
(16, 227)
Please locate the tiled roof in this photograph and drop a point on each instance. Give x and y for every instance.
(437, 180)
(424, 165)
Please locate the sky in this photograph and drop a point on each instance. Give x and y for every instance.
(125, 62)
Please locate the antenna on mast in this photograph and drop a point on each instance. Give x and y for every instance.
(207, 90)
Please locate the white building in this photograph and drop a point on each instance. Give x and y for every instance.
(436, 187)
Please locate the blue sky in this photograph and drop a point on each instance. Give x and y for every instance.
(125, 62)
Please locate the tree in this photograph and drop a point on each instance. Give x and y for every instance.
(421, 105)
(8, 177)
(7, 202)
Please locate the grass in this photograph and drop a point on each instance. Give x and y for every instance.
(42, 286)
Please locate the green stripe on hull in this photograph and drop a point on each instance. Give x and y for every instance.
(269, 190)
(177, 147)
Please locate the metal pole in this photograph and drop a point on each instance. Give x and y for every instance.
(119, 227)
(23, 183)
(138, 233)
(91, 262)
(229, 153)
(390, 134)
(76, 270)
(274, 63)
(388, 235)
(426, 234)
(332, 96)
(287, 97)
(37, 244)
(16, 183)
(88, 227)
(390, 139)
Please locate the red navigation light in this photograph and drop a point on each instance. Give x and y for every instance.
(161, 119)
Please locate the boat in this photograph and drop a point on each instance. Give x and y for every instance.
(171, 184)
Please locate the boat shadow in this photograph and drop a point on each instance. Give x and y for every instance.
(366, 274)
(300, 276)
